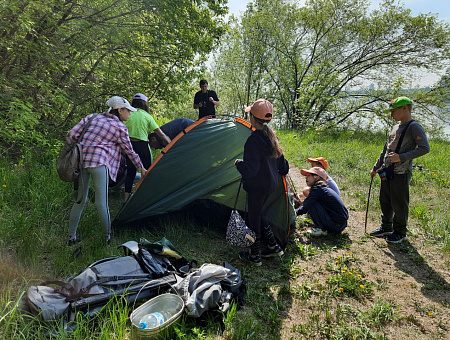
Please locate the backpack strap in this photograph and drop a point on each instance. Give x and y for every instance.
(86, 126)
(237, 195)
(62, 284)
(71, 296)
(130, 248)
(399, 144)
(103, 279)
(76, 185)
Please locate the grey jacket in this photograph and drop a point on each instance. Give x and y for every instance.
(415, 144)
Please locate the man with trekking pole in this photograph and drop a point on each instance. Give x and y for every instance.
(407, 140)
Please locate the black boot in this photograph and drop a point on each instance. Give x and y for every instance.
(273, 248)
(269, 236)
(254, 254)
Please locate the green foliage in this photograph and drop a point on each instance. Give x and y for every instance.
(60, 60)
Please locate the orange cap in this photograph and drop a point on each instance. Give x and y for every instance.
(321, 160)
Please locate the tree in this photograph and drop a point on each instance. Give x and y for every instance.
(62, 59)
(307, 59)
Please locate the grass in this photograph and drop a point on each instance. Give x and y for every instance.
(330, 288)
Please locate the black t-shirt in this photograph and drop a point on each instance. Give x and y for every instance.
(208, 108)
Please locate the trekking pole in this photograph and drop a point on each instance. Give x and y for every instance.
(291, 182)
(367, 207)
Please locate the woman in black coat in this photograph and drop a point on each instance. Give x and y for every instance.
(263, 161)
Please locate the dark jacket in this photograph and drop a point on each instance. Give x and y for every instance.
(258, 169)
(329, 199)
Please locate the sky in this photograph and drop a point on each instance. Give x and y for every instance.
(439, 7)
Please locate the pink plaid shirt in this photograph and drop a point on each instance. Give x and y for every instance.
(105, 137)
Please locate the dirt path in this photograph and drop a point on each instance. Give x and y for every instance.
(414, 276)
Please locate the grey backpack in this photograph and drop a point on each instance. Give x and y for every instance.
(135, 277)
(70, 161)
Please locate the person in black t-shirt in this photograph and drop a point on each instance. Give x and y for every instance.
(205, 101)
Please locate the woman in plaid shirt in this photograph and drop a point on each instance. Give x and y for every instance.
(103, 141)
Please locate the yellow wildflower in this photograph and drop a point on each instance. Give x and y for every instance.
(430, 313)
(362, 286)
(341, 289)
(4, 185)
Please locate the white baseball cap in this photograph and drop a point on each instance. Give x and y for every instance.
(117, 102)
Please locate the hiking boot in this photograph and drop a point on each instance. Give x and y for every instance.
(74, 241)
(247, 255)
(273, 251)
(317, 232)
(380, 232)
(396, 238)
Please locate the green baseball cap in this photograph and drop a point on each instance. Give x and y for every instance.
(397, 102)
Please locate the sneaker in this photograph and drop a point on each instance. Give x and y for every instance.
(74, 241)
(396, 238)
(246, 255)
(317, 232)
(272, 251)
(380, 232)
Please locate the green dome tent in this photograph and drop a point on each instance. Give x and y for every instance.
(198, 165)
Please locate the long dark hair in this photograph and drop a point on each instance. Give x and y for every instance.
(140, 104)
(115, 112)
(276, 150)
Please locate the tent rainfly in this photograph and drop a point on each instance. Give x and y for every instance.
(199, 165)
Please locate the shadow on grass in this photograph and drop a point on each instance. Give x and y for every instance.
(408, 260)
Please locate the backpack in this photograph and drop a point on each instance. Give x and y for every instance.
(211, 288)
(70, 161)
(134, 277)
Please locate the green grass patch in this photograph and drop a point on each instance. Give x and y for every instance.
(323, 275)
